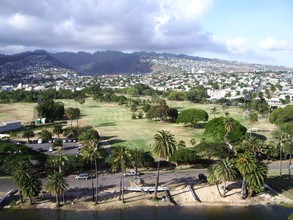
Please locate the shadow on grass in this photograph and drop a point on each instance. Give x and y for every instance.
(116, 141)
(108, 137)
(107, 124)
(259, 136)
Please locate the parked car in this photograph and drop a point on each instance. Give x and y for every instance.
(81, 176)
(40, 141)
(50, 149)
(131, 173)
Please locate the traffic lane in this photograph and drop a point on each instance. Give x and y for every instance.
(6, 184)
(68, 148)
(110, 181)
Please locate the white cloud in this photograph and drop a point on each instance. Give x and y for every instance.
(270, 43)
(170, 25)
(237, 45)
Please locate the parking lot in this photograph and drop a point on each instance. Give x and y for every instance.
(68, 148)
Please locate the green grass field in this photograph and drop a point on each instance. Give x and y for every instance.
(114, 122)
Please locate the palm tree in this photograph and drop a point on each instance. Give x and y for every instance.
(72, 113)
(246, 164)
(224, 171)
(256, 179)
(253, 118)
(91, 151)
(288, 129)
(28, 133)
(19, 176)
(58, 129)
(45, 135)
(32, 187)
(213, 179)
(252, 145)
(215, 111)
(164, 147)
(229, 125)
(56, 185)
(279, 136)
(60, 159)
(121, 156)
(81, 101)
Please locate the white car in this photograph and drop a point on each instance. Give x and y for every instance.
(40, 141)
(131, 173)
(50, 149)
(83, 176)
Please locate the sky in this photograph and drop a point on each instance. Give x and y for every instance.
(255, 31)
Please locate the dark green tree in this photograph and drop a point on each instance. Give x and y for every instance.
(192, 116)
(217, 130)
(163, 148)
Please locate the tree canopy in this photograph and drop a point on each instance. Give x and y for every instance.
(50, 109)
(282, 115)
(192, 116)
(217, 130)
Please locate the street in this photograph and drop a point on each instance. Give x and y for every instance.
(107, 181)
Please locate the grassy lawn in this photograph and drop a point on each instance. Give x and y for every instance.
(17, 111)
(115, 124)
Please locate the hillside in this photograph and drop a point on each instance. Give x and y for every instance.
(116, 62)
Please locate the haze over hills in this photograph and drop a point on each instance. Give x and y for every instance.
(116, 62)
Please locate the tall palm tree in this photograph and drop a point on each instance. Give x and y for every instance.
(279, 137)
(164, 147)
(19, 176)
(28, 133)
(253, 118)
(60, 160)
(121, 156)
(229, 125)
(213, 179)
(56, 185)
(223, 171)
(288, 129)
(57, 129)
(32, 186)
(253, 145)
(246, 164)
(256, 179)
(91, 151)
(215, 111)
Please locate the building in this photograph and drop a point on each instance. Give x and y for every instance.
(9, 126)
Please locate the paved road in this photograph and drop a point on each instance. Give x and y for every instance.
(107, 181)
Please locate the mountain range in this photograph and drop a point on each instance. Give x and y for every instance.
(101, 62)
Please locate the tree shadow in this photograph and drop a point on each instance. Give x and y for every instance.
(108, 137)
(106, 124)
(259, 136)
(116, 141)
(93, 106)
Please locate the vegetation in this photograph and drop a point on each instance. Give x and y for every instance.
(218, 130)
(50, 109)
(164, 147)
(121, 157)
(56, 185)
(192, 116)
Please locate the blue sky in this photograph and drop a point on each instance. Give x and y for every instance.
(257, 31)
